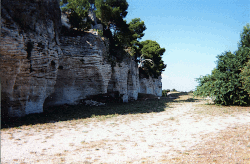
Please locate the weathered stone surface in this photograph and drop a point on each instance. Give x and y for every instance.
(38, 69)
(29, 54)
(93, 103)
(65, 20)
(92, 17)
(151, 86)
(98, 27)
(83, 69)
(125, 79)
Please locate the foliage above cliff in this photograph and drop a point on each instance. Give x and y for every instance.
(111, 13)
(229, 83)
(137, 28)
(151, 58)
(77, 13)
(123, 37)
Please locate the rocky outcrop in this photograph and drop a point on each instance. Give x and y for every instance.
(151, 86)
(40, 68)
(83, 69)
(92, 17)
(29, 54)
(125, 79)
(65, 20)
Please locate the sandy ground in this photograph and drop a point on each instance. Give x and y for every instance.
(149, 137)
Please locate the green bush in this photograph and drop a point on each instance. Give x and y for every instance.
(77, 13)
(245, 76)
(173, 90)
(225, 84)
(164, 92)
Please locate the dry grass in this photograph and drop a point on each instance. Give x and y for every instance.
(207, 107)
(171, 118)
(229, 146)
(216, 110)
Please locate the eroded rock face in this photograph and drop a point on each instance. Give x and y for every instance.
(83, 69)
(65, 20)
(151, 86)
(92, 17)
(40, 68)
(29, 54)
(125, 79)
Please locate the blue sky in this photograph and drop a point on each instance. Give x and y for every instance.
(193, 32)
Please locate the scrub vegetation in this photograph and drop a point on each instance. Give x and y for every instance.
(229, 83)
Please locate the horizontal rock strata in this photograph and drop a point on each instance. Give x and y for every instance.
(83, 69)
(151, 86)
(39, 68)
(29, 54)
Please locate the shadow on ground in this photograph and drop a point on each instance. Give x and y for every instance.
(144, 104)
(181, 97)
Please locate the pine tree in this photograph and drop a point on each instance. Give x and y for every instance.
(136, 27)
(151, 59)
(111, 13)
(77, 13)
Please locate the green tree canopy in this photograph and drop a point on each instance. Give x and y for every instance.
(111, 13)
(245, 75)
(136, 27)
(245, 45)
(77, 13)
(245, 37)
(151, 58)
(122, 37)
(228, 84)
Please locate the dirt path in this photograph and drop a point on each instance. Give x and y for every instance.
(150, 137)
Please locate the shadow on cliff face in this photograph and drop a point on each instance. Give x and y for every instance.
(26, 12)
(5, 101)
(144, 104)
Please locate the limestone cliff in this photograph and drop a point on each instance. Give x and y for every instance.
(39, 67)
(83, 69)
(151, 86)
(29, 54)
(125, 79)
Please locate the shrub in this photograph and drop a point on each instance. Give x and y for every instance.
(227, 84)
(245, 76)
(164, 92)
(173, 90)
(77, 13)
